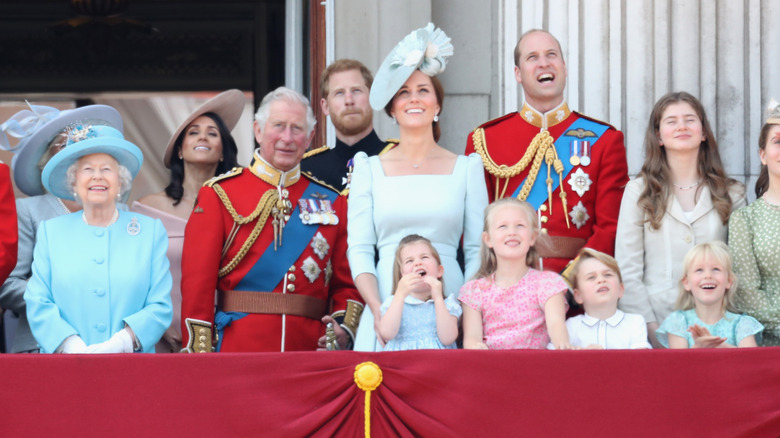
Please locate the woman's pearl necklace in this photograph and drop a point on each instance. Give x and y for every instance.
(111, 222)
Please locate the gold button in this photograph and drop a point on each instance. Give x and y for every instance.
(543, 207)
(544, 219)
(544, 230)
(202, 346)
(202, 339)
(202, 331)
(291, 277)
(291, 288)
(687, 239)
(292, 269)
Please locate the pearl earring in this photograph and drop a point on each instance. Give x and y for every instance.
(436, 118)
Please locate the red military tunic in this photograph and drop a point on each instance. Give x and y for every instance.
(317, 269)
(9, 234)
(593, 222)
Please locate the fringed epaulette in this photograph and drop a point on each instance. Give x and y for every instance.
(314, 152)
(490, 123)
(314, 179)
(600, 122)
(229, 174)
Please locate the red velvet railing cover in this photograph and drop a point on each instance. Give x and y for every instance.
(696, 393)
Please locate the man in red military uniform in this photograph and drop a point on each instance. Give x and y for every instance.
(9, 234)
(273, 244)
(571, 168)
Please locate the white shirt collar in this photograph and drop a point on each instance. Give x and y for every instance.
(613, 320)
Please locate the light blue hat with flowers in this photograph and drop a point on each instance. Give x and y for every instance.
(85, 140)
(36, 127)
(425, 49)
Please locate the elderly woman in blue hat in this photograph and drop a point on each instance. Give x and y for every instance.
(200, 149)
(41, 131)
(100, 280)
(418, 187)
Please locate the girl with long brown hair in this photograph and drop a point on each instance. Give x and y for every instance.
(681, 197)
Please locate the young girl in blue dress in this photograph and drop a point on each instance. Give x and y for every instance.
(705, 317)
(417, 315)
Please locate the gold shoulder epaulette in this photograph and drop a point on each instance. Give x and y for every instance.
(601, 122)
(390, 143)
(319, 181)
(229, 174)
(314, 152)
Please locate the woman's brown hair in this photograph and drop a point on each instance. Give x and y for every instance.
(655, 170)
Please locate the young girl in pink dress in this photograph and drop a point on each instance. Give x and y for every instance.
(510, 304)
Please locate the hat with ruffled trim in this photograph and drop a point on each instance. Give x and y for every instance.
(86, 140)
(228, 105)
(426, 49)
(773, 112)
(36, 128)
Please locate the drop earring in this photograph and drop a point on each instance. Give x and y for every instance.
(395, 122)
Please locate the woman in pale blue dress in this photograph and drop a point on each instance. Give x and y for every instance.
(417, 187)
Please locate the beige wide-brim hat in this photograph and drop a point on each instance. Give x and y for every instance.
(228, 105)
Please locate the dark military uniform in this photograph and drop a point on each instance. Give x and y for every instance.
(334, 166)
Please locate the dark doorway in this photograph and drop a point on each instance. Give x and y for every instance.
(89, 46)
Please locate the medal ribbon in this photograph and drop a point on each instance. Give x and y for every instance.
(272, 266)
(538, 193)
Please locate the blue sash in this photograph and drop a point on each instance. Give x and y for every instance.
(271, 267)
(538, 194)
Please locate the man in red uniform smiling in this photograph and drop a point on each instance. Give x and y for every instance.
(571, 168)
(272, 244)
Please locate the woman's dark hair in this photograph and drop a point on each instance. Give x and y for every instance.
(175, 189)
(762, 183)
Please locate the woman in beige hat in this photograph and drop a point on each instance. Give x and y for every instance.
(200, 148)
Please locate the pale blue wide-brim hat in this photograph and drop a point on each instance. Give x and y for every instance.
(36, 128)
(425, 49)
(86, 140)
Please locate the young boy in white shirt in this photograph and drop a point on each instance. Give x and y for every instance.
(598, 286)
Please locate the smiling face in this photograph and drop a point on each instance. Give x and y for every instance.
(680, 128)
(283, 139)
(707, 279)
(97, 180)
(415, 104)
(347, 103)
(510, 232)
(597, 284)
(770, 153)
(202, 142)
(541, 70)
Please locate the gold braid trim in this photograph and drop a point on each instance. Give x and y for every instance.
(536, 151)
(241, 220)
(263, 210)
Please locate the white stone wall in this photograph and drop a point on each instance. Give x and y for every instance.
(622, 55)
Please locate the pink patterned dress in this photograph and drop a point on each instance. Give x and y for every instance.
(513, 317)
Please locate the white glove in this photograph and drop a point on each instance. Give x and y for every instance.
(73, 344)
(121, 342)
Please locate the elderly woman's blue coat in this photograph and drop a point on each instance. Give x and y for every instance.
(90, 281)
